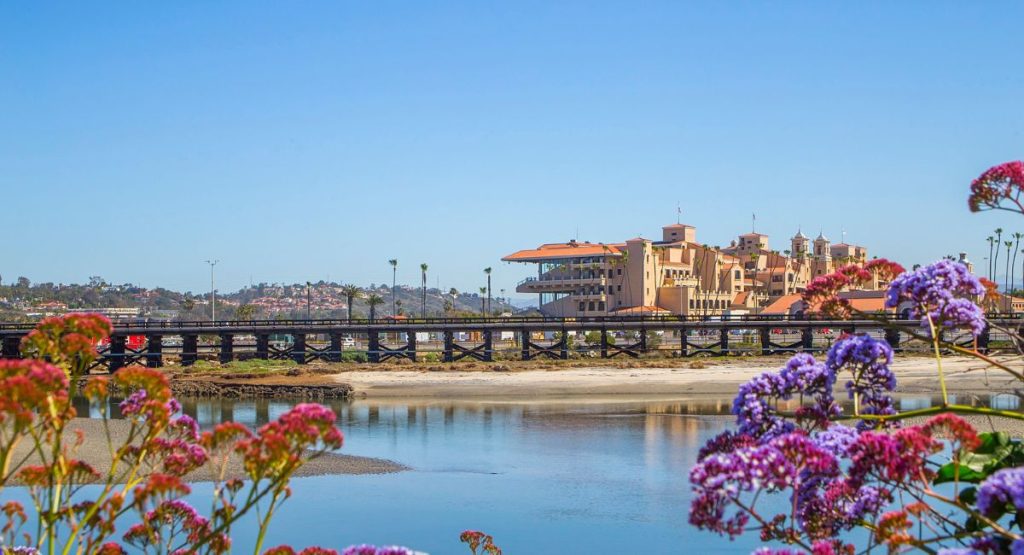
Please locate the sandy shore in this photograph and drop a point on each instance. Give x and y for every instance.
(718, 378)
(95, 452)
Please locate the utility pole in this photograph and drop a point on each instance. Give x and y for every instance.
(213, 291)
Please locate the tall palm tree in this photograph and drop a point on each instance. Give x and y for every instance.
(394, 274)
(999, 243)
(423, 276)
(351, 293)
(1013, 268)
(1006, 274)
(373, 301)
(487, 271)
(483, 307)
(991, 243)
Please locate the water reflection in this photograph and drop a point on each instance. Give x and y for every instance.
(543, 477)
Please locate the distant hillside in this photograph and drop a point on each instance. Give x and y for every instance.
(23, 300)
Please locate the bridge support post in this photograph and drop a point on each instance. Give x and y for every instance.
(643, 341)
(684, 343)
(807, 339)
(116, 353)
(410, 345)
(227, 348)
(604, 342)
(984, 339)
(11, 347)
(563, 348)
(263, 346)
(189, 349)
(448, 354)
(335, 351)
(299, 348)
(766, 341)
(524, 336)
(892, 337)
(373, 346)
(154, 351)
(488, 345)
(723, 335)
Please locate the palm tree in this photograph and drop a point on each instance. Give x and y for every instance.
(999, 242)
(1013, 268)
(991, 242)
(423, 276)
(483, 307)
(487, 271)
(394, 274)
(351, 293)
(373, 300)
(1006, 275)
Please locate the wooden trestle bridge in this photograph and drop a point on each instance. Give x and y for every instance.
(304, 341)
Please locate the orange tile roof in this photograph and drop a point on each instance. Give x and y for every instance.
(646, 309)
(741, 298)
(562, 250)
(782, 304)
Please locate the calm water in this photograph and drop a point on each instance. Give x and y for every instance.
(553, 477)
(542, 477)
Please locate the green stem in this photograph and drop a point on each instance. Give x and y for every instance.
(938, 358)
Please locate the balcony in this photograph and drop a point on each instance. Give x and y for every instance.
(559, 283)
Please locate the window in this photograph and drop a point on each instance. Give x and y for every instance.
(691, 303)
(736, 274)
(591, 308)
(618, 288)
(619, 272)
(583, 306)
(600, 306)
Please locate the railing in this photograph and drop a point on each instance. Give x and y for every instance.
(470, 321)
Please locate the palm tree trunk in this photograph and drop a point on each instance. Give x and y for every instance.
(349, 310)
(394, 277)
(990, 258)
(1006, 274)
(489, 306)
(1013, 267)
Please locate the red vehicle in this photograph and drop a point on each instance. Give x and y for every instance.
(133, 342)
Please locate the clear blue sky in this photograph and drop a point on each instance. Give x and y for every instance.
(301, 140)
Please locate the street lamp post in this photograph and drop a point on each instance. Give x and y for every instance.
(213, 292)
(308, 317)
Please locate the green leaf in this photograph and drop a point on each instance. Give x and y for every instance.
(951, 471)
(997, 451)
(968, 495)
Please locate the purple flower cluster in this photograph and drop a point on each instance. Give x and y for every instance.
(791, 460)
(1002, 488)
(873, 380)
(134, 403)
(367, 549)
(942, 291)
(837, 439)
(801, 375)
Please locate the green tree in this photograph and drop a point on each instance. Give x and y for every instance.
(351, 293)
(394, 277)
(999, 243)
(245, 312)
(373, 301)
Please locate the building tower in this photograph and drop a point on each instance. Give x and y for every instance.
(822, 261)
(800, 245)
